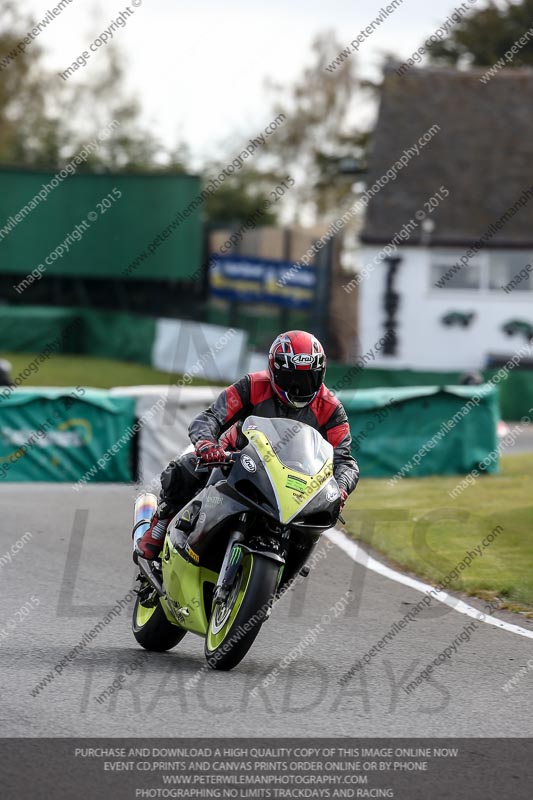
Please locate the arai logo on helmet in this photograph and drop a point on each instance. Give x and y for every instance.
(303, 359)
(248, 463)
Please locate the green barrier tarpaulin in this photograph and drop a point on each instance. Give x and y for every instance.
(417, 431)
(64, 435)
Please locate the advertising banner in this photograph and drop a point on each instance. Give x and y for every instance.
(257, 280)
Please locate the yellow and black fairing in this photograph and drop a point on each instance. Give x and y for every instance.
(283, 482)
(285, 475)
(191, 569)
(296, 479)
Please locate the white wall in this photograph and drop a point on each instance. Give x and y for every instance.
(166, 412)
(199, 350)
(424, 342)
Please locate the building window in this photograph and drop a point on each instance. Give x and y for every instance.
(448, 273)
(492, 270)
(510, 271)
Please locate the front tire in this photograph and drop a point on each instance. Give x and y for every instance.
(152, 629)
(234, 625)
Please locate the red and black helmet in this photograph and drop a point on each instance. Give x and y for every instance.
(297, 366)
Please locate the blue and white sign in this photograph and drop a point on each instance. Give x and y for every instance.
(257, 280)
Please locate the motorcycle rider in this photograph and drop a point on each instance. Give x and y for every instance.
(293, 388)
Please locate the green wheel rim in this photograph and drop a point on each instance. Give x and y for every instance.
(216, 637)
(143, 614)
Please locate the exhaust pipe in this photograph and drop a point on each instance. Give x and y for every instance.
(144, 510)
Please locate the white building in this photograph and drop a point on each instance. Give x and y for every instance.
(458, 210)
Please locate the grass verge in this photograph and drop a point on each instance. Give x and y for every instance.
(422, 530)
(101, 373)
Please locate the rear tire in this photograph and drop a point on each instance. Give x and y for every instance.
(152, 629)
(233, 627)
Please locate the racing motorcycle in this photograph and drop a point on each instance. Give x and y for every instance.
(239, 543)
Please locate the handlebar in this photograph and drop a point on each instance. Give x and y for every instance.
(204, 466)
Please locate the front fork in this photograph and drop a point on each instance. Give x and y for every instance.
(233, 558)
(231, 563)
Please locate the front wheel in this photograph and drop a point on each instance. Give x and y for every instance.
(152, 629)
(235, 623)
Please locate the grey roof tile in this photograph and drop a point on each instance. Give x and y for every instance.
(483, 154)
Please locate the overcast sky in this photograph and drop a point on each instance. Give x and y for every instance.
(198, 68)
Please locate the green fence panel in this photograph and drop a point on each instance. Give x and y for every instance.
(347, 376)
(516, 390)
(31, 329)
(419, 431)
(62, 435)
(106, 334)
(103, 223)
(126, 337)
(516, 393)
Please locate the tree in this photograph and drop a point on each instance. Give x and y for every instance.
(44, 122)
(482, 37)
(30, 133)
(99, 101)
(317, 133)
(241, 197)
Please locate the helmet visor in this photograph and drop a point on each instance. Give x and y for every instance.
(300, 385)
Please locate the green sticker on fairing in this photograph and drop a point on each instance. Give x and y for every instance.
(296, 483)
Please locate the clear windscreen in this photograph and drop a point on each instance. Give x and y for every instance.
(297, 445)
